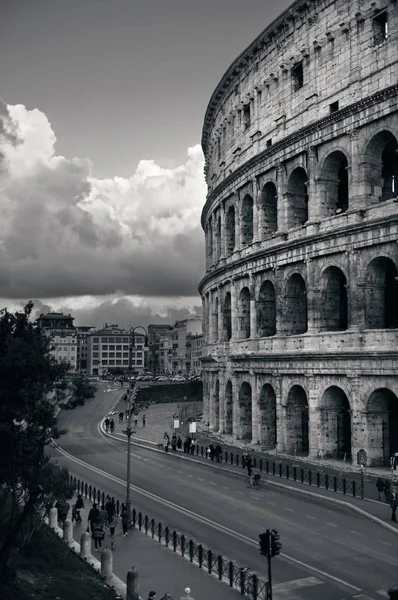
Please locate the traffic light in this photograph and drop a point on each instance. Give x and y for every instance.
(276, 545)
(264, 543)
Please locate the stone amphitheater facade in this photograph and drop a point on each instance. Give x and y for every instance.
(300, 295)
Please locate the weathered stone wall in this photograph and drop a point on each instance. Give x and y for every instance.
(300, 294)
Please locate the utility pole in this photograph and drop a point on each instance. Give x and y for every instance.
(128, 431)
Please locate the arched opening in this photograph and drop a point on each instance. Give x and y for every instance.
(297, 211)
(218, 239)
(230, 230)
(266, 311)
(215, 320)
(269, 210)
(382, 423)
(244, 313)
(295, 318)
(335, 417)
(267, 405)
(228, 408)
(334, 307)
(247, 220)
(210, 242)
(381, 167)
(297, 421)
(334, 184)
(245, 412)
(217, 406)
(227, 317)
(381, 294)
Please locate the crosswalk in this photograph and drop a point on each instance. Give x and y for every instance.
(288, 590)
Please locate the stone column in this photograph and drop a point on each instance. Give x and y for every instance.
(209, 320)
(314, 422)
(220, 315)
(356, 293)
(235, 405)
(312, 186)
(281, 185)
(133, 587)
(85, 544)
(253, 309)
(223, 236)
(234, 312)
(106, 563)
(256, 214)
(221, 378)
(211, 402)
(255, 409)
(238, 222)
(53, 518)
(358, 417)
(280, 415)
(356, 183)
(206, 396)
(313, 293)
(67, 531)
(280, 300)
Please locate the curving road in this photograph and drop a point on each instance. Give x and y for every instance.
(333, 554)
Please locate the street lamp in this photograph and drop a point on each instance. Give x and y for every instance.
(130, 407)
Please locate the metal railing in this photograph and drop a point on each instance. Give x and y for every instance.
(242, 579)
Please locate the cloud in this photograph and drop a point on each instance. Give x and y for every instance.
(66, 233)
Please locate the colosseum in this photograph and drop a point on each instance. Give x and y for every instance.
(300, 294)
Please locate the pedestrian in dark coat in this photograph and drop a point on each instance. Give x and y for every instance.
(107, 423)
(143, 420)
(112, 425)
(174, 442)
(211, 448)
(124, 514)
(387, 490)
(218, 453)
(380, 488)
(63, 509)
(98, 535)
(394, 504)
(179, 443)
(93, 516)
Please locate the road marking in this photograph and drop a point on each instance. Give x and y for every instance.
(296, 584)
(356, 532)
(201, 479)
(311, 517)
(256, 497)
(225, 487)
(189, 475)
(212, 483)
(289, 509)
(385, 543)
(269, 502)
(241, 493)
(331, 524)
(383, 593)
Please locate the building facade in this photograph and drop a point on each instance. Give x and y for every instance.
(108, 350)
(300, 295)
(82, 334)
(155, 354)
(179, 355)
(64, 343)
(196, 348)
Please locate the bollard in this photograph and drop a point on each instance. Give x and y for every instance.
(67, 531)
(53, 518)
(85, 544)
(106, 563)
(133, 587)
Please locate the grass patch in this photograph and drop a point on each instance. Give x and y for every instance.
(48, 570)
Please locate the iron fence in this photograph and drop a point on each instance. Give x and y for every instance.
(242, 579)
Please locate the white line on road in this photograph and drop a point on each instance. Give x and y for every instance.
(331, 524)
(269, 502)
(241, 493)
(356, 532)
(289, 509)
(225, 487)
(189, 475)
(385, 543)
(255, 497)
(296, 584)
(383, 593)
(212, 483)
(201, 479)
(311, 517)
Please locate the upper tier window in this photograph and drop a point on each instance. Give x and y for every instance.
(298, 77)
(380, 28)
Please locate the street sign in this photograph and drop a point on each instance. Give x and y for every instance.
(192, 427)
(362, 457)
(176, 423)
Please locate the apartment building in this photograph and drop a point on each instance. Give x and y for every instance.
(108, 350)
(179, 357)
(60, 329)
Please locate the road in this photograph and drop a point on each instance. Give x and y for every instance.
(326, 544)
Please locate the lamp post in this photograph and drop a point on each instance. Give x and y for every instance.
(130, 407)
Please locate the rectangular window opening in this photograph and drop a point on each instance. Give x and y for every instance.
(334, 107)
(246, 116)
(298, 77)
(269, 143)
(380, 28)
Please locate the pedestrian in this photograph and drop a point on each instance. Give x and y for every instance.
(143, 420)
(110, 507)
(218, 453)
(380, 488)
(211, 447)
(394, 504)
(166, 442)
(135, 420)
(179, 443)
(93, 516)
(103, 515)
(208, 452)
(187, 594)
(112, 524)
(63, 509)
(189, 441)
(193, 445)
(112, 425)
(120, 417)
(126, 414)
(107, 423)
(249, 462)
(152, 596)
(98, 535)
(387, 490)
(124, 514)
(174, 442)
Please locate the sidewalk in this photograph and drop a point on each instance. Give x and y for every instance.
(159, 568)
(159, 420)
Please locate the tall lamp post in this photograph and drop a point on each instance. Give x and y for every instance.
(130, 407)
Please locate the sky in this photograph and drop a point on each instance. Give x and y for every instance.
(101, 170)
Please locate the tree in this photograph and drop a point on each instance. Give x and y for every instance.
(80, 389)
(28, 422)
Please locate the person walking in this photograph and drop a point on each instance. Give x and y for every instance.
(211, 447)
(218, 453)
(93, 516)
(387, 490)
(107, 423)
(112, 524)
(166, 442)
(143, 420)
(179, 443)
(124, 514)
(380, 488)
(187, 594)
(121, 415)
(394, 504)
(174, 442)
(135, 420)
(193, 445)
(110, 507)
(63, 509)
(98, 535)
(112, 425)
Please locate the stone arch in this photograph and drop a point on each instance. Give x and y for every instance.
(267, 423)
(382, 425)
(217, 406)
(334, 303)
(227, 317)
(269, 210)
(381, 294)
(215, 320)
(244, 313)
(297, 195)
(381, 166)
(295, 317)
(218, 239)
(228, 408)
(245, 412)
(230, 230)
(247, 220)
(335, 421)
(297, 439)
(334, 184)
(266, 310)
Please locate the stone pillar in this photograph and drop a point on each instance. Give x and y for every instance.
(53, 518)
(312, 186)
(256, 212)
(280, 415)
(221, 376)
(106, 563)
(206, 396)
(211, 402)
(223, 236)
(281, 184)
(280, 299)
(356, 293)
(255, 410)
(235, 405)
(314, 423)
(356, 184)
(220, 332)
(209, 319)
(358, 417)
(313, 293)
(133, 586)
(253, 309)
(67, 531)
(234, 313)
(238, 223)
(85, 545)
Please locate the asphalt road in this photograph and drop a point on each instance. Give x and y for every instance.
(327, 544)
